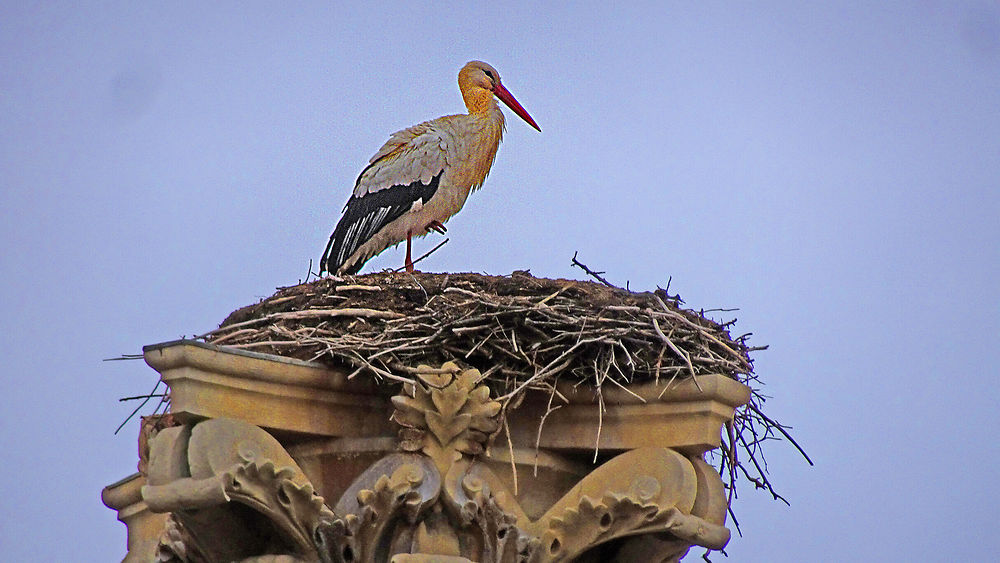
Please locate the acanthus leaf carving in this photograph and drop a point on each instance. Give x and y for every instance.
(487, 517)
(396, 489)
(438, 501)
(593, 522)
(445, 414)
(643, 491)
(295, 508)
(176, 545)
(503, 541)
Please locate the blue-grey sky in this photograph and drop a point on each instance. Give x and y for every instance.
(832, 170)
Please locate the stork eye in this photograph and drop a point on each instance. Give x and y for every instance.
(490, 75)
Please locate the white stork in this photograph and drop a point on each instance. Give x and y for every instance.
(422, 175)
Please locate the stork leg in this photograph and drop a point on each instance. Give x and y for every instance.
(409, 260)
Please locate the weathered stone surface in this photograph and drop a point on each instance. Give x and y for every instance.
(233, 493)
(272, 392)
(263, 441)
(144, 527)
(686, 417)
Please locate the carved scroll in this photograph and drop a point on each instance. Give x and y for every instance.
(234, 494)
(648, 490)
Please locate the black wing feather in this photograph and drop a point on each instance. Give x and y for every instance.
(366, 215)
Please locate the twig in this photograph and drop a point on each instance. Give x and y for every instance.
(591, 273)
(773, 424)
(425, 255)
(234, 335)
(546, 370)
(258, 344)
(510, 448)
(736, 522)
(481, 342)
(420, 285)
(676, 350)
(762, 483)
(307, 314)
(345, 312)
(357, 287)
(600, 422)
(626, 389)
(137, 397)
(700, 329)
(666, 291)
(538, 437)
(124, 357)
(384, 373)
(557, 293)
(148, 397)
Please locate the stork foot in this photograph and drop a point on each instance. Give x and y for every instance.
(436, 226)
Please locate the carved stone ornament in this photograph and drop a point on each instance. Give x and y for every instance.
(232, 492)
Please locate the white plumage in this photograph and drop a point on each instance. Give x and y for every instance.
(422, 175)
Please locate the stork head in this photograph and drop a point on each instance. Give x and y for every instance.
(480, 81)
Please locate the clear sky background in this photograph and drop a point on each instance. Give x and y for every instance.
(833, 171)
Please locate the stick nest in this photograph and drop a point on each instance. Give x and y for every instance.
(520, 331)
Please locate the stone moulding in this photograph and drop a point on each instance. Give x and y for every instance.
(144, 526)
(280, 460)
(270, 391)
(686, 417)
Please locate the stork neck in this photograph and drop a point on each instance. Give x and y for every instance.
(480, 102)
(483, 131)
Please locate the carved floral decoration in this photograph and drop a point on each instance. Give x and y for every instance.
(235, 494)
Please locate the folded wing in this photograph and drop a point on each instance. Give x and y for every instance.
(402, 176)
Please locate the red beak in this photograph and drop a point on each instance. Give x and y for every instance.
(507, 98)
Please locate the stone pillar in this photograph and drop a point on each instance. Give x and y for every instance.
(279, 460)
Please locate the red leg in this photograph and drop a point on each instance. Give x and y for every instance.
(409, 260)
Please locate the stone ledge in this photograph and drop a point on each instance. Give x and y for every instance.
(143, 526)
(288, 395)
(688, 416)
(273, 392)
